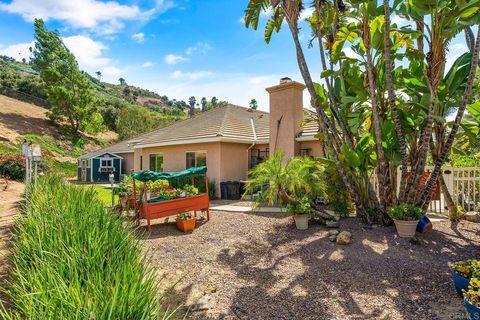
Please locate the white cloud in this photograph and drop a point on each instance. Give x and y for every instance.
(148, 64)
(17, 51)
(200, 47)
(454, 52)
(138, 37)
(266, 13)
(174, 59)
(89, 53)
(103, 17)
(197, 75)
(401, 22)
(350, 53)
(306, 13)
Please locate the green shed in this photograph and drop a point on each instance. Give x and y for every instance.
(96, 166)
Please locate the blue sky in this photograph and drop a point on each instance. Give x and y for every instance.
(175, 47)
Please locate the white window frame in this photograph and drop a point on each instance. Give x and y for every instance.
(106, 159)
(159, 154)
(196, 151)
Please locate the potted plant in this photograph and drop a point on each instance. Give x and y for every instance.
(462, 272)
(292, 184)
(186, 222)
(472, 298)
(300, 212)
(406, 217)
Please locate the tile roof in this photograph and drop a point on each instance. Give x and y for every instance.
(229, 123)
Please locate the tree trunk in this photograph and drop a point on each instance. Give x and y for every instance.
(324, 121)
(393, 106)
(452, 208)
(384, 190)
(425, 194)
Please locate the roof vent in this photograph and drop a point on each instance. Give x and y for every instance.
(285, 80)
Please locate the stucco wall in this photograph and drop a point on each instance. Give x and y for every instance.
(174, 158)
(315, 148)
(233, 161)
(127, 163)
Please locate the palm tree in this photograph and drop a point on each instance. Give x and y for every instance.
(214, 102)
(204, 104)
(192, 101)
(122, 81)
(253, 104)
(99, 75)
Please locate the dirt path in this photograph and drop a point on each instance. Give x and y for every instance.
(258, 266)
(9, 200)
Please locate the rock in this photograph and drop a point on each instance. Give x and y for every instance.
(333, 238)
(332, 224)
(333, 232)
(472, 216)
(201, 305)
(344, 237)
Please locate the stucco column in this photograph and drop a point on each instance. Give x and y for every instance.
(286, 116)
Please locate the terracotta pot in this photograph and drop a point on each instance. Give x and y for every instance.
(186, 225)
(301, 221)
(406, 229)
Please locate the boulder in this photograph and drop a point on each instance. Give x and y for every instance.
(332, 224)
(332, 238)
(334, 232)
(344, 237)
(472, 216)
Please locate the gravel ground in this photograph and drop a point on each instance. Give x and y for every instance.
(258, 266)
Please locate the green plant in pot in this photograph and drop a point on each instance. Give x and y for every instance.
(472, 297)
(292, 184)
(462, 272)
(406, 217)
(300, 212)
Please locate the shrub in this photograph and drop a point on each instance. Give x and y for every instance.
(72, 260)
(406, 212)
(336, 194)
(12, 167)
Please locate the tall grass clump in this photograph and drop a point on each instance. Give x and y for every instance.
(73, 260)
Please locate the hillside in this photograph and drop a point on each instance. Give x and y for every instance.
(25, 121)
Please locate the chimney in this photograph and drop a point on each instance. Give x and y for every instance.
(286, 116)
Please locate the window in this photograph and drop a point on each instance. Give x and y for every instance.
(195, 159)
(305, 152)
(156, 162)
(106, 163)
(84, 163)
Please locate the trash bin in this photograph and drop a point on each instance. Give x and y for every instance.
(234, 190)
(223, 190)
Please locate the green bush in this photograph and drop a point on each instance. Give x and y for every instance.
(406, 212)
(12, 167)
(336, 194)
(72, 260)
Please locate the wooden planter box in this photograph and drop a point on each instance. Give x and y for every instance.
(157, 210)
(186, 225)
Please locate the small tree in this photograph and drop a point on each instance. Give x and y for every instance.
(253, 104)
(122, 81)
(67, 88)
(204, 104)
(99, 75)
(191, 102)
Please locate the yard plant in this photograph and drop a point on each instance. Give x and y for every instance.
(71, 259)
(405, 212)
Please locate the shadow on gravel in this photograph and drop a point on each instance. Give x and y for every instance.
(302, 275)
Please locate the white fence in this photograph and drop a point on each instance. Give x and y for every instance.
(462, 183)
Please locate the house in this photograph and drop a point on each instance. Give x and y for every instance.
(229, 140)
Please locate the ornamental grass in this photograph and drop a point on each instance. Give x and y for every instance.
(72, 259)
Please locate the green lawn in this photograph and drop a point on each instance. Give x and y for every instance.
(105, 194)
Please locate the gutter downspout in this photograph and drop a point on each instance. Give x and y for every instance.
(254, 138)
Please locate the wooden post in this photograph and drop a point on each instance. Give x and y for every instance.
(208, 196)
